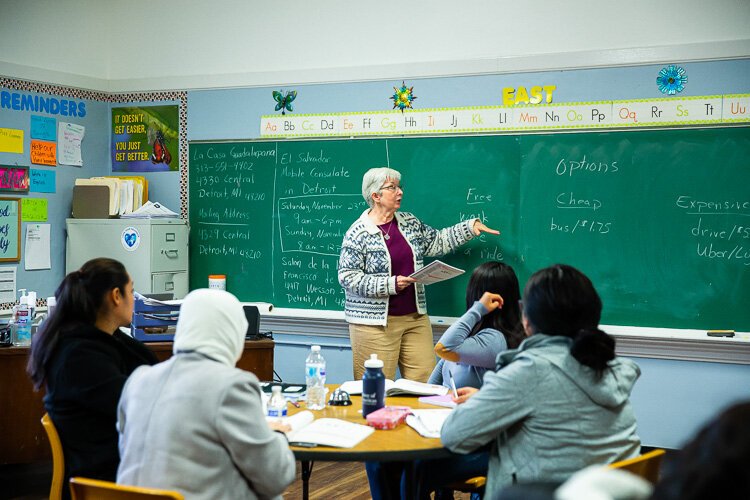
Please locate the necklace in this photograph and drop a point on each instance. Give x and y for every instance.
(387, 234)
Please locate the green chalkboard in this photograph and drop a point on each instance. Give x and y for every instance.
(659, 219)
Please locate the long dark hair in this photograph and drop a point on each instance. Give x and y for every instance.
(561, 300)
(713, 464)
(79, 299)
(498, 278)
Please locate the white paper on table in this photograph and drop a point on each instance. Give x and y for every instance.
(69, 138)
(427, 422)
(8, 283)
(37, 251)
(436, 271)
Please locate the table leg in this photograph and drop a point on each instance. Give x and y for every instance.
(307, 467)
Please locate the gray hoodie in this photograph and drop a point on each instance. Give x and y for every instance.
(546, 415)
(194, 423)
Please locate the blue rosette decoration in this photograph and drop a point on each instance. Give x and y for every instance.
(671, 79)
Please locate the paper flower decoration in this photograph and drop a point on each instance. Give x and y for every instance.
(284, 102)
(403, 97)
(671, 79)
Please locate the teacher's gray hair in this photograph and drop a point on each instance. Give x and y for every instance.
(374, 179)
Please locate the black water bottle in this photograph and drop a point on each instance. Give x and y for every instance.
(373, 386)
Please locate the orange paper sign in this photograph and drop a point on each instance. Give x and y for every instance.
(43, 153)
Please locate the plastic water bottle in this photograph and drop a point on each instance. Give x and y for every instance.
(277, 403)
(373, 385)
(51, 304)
(315, 376)
(23, 323)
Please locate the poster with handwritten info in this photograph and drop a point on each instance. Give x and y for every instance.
(43, 128)
(11, 140)
(42, 181)
(43, 153)
(69, 138)
(10, 225)
(34, 209)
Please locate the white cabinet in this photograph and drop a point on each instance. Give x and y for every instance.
(154, 251)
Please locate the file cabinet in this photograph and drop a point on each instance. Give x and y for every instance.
(154, 251)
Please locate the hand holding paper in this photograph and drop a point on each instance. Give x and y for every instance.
(436, 271)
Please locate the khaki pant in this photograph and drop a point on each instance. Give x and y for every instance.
(405, 342)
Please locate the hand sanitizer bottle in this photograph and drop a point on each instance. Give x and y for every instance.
(23, 322)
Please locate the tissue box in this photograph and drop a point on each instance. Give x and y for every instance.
(388, 417)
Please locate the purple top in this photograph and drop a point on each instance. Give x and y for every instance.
(402, 264)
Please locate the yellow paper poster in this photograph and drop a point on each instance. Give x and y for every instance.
(43, 153)
(11, 140)
(34, 209)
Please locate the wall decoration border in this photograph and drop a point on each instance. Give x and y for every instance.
(593, 115)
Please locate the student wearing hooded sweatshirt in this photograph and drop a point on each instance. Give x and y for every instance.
(558, 403)
(194, 423)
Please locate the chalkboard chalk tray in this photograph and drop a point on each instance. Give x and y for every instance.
(659, 219)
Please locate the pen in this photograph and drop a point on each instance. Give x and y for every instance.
(453, 384)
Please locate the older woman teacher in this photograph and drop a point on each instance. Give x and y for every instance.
(385, 308)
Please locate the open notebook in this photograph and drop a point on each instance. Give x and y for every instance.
(427, 422)
(400, 387)
(325, 431)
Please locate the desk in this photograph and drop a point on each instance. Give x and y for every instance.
(22, 438)
(400, 444)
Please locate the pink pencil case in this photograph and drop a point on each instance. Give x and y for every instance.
(388, 417)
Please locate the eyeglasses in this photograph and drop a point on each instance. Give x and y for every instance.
(393, 188)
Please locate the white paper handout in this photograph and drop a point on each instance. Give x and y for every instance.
(37, 248)
(427, 422)
(150, 210)
(325, 431)
(436, 271)
(69, 138)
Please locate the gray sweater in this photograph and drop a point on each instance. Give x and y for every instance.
(476, 353)
(195, 425)
(546, 415)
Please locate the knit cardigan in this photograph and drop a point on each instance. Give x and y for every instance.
(365, 264)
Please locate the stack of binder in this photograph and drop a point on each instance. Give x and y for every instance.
(116, 195)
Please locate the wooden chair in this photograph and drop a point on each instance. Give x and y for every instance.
(58, 459)
(646, 465)
(94, 489)
(471, 485)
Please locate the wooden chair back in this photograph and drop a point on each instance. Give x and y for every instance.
(646, 466)
(58, 459)
(82, 488)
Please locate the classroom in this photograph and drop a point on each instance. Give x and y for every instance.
(307, 96)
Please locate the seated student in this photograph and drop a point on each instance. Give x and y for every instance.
(714, 463)
(83, 360)
(491, 324)
(194, 423)
(468, 348)
(558, 403)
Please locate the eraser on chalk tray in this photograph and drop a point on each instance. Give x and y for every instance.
(720, 333)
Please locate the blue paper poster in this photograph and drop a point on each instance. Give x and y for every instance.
(42, 181)
(44, 128)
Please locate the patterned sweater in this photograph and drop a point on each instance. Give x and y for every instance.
(365, 264)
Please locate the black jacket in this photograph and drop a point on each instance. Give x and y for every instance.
(85, 377)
